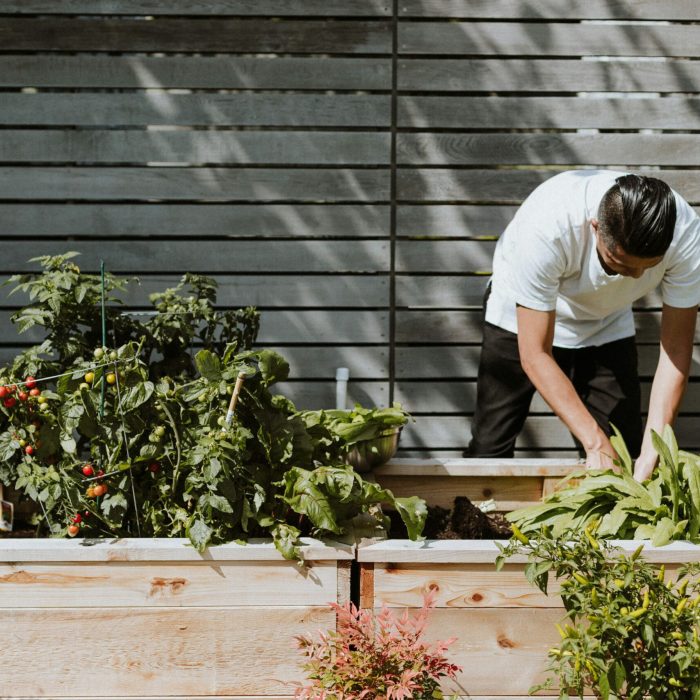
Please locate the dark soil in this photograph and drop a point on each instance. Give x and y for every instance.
(464, 522)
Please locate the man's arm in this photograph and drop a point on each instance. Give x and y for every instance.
(670, 379)
(535, 337)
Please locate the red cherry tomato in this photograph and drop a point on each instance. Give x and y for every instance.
(9, 402)
(4, 392)
(23, 395)
(154, 467)
(88, 470)
(29, 450)
(35, 392)
(30, 382)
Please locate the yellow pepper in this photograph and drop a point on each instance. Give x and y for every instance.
(519, 535)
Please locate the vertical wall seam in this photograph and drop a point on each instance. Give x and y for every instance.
(392, 205)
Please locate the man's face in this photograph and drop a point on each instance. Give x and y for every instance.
(616, 262)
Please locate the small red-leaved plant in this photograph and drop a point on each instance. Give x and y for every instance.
(375, 656)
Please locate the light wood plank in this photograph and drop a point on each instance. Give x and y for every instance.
(208, 184)
(509, 493)
(547, 75)
(224, 651)
(143, 584)
(177, 257)
(460, 112)
(160, 549)
(458, 586)
(197, 34)
(196, 72)
(195, 220)
(204, 109)
(474, 257)
(194, 147)
(547, 39)
(546, 149)
(277, 8)
(477, 467)
(551, 9)
(508, 186)
(486, 551)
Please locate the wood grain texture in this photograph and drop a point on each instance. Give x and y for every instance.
(196, 72)
(314, 395)
(165, 585)
(194, 147)
(204, 109)
(546, 39)
(482, 467)
(546, 149)
(187, 651)
(341, 8)
(198, 34)
(178, 220)
(208, 184)
(508, 186)
(547, 75)
(447, 220)
(225, 256)
(552, 9)
(461, 112)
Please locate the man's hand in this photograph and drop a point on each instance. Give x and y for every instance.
(602, 456)
(644, 466)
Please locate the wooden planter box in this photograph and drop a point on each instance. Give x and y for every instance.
(503, 625)
(153, 618)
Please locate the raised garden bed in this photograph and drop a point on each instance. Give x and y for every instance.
(153, 617)
(503, 625)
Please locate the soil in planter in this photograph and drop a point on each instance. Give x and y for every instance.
(463, 522)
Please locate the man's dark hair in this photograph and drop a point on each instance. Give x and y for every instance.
(639, 214)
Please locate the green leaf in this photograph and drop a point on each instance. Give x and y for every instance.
(616, 676)
(663, 532)
(413, 512)
(273, 367)
(208, 365)
(618, 443)
(199, 534)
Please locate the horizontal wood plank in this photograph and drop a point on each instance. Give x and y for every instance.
(281, 327)
(547, 75)
(465, 326)
(507, 186)
(459, 586)
(461, 112)
(167, 34)
(177, 257)
(454, 432)
(195, 220)
(196, 72)
(450, 396)
(482, 467)
(546, 149)
(203, 109)
(547, 39)
(208, 184)
(449, 256)
(278, 8)
(225, 651)
(314, 395)
(119, 585)
(448, 221)
(551, 9)
(194, 147)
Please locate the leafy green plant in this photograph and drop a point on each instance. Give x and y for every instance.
(629, 633)
(664, 508)
(133, 440)
(373, 656)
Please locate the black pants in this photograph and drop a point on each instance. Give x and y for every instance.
(605, 377)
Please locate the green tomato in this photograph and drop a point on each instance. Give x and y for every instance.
(159, 431)
(44, 407)
(203, 397)
(113, 355)
(99, 353)
(221, 420)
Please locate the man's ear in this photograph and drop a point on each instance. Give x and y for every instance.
(595, 225)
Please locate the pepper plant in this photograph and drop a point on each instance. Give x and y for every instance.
(628, 632)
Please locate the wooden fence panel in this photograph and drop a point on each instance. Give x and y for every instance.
(261, 142)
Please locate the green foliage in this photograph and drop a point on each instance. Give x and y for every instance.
(664, 508)
(158, 444)
(630, 634)
(373, 656)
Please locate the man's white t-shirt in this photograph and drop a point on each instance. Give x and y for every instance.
(547, 260)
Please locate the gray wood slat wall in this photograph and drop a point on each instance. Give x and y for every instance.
(346, 165)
